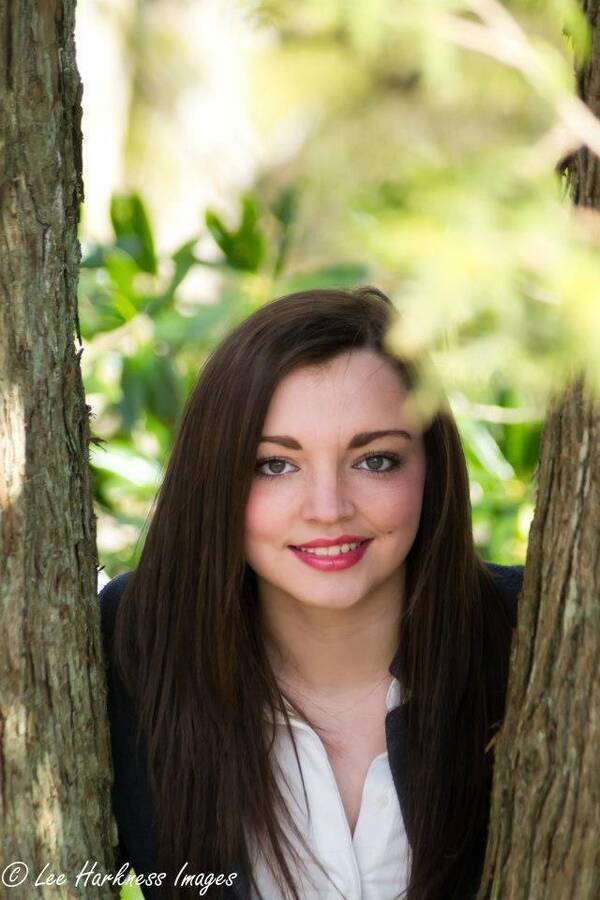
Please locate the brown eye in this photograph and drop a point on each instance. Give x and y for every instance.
(271, 468)
(380, 463)
(276, 466)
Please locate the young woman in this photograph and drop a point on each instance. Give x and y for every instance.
(309, 663)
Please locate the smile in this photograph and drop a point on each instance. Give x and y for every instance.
(330, 551)
(327, 559)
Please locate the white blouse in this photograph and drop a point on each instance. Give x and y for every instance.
(372, 864)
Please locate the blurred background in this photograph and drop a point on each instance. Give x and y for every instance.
(235, 151)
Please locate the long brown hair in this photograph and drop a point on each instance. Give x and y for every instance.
(188, 644)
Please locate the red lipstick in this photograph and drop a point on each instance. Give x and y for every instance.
(333, 563)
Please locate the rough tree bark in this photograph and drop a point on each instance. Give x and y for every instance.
(544, 840)
(54, 746)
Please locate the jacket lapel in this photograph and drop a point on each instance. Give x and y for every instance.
(396, 726)
(396, 731)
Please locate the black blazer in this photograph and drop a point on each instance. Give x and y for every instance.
(133, 804)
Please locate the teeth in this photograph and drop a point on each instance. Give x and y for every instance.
(336, 550)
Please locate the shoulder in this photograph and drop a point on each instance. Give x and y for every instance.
(132, 799)
(509, 581)
(109, 598)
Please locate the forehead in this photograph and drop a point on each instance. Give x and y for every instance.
(356, 388)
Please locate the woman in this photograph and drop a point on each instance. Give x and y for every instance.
(310, 660)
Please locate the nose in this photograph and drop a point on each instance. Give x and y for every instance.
(327, 499)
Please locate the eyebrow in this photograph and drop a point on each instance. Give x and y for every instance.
(359, 440)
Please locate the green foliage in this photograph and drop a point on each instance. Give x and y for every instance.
(132, 230)
(434, 170)
(444, 174)
(145, 341)
(501, 458)
(243, 248)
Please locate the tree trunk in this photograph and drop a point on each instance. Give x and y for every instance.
(544, 840)
(54, 746)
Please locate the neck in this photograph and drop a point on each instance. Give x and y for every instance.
(331, 651)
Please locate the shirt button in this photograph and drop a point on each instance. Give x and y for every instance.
(382, 802)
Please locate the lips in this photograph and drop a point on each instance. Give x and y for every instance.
(333, 563)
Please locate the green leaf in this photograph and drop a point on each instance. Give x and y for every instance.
(483, 446)
(122, 269)
(183, 259)
(521, 446)
(163, 389)
(221, 235)
(97, 310)
(243, 249)
(285, 207)
(149, 382)
(97, 315)
(285, 210)
(132, 230)
(133, 391)
(177, 330)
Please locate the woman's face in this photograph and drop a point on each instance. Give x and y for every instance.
(324, 474)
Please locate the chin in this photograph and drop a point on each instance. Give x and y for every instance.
(329, 602)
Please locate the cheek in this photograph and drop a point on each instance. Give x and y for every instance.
(263, 513)
(399, 506)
